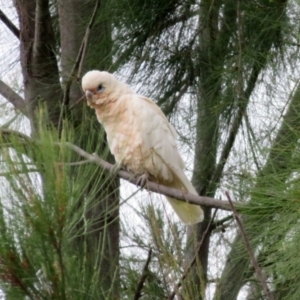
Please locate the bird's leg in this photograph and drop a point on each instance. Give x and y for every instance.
(142, 180)
(114, 170)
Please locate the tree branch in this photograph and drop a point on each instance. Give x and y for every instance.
(86, 39)
(138, 294)
(244, 100)
(77, 66)
(152, 186)
(221, 223)
(15, 99)
(44, 38)
(254, 261)
(21, 136)
(9, 24)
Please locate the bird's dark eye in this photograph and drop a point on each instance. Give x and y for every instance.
(100, 88)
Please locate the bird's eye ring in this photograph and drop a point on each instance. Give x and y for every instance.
(100, 88)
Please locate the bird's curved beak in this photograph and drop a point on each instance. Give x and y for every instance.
(89, 95)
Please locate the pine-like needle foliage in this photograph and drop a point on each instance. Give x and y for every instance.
(46, 194)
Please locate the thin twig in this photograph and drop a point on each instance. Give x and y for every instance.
(9, 24)
(77, 65)
(220, 223)
(76, 102)
(253, 259)
(6, 132)
(194, 260)
(145, 273)
(5, 174)
(86, 39)
(75, 163)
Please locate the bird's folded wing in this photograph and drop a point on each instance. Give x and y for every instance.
(157, 134)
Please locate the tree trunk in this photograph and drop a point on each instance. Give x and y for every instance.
(42, 85)
(103, 215)
(207, 132)
(38, 58)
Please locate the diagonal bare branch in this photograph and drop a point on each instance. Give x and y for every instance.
(253, 259)
(138, 294)
(15, 99)
(9, 24)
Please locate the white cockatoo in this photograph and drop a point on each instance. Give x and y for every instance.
(140, 137)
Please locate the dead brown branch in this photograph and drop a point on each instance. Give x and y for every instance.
(253, 259)
(15, 99)
(9, 24)
(145, 273)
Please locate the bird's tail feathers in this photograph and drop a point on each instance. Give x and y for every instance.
(189, 214)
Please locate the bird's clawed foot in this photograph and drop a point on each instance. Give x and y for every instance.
(142, 180)
(114, 170)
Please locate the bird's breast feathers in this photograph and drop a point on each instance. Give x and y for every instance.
(140, 137)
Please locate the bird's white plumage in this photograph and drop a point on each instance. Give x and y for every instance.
(140, 137)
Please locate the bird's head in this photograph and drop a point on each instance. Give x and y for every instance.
(101, 87)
